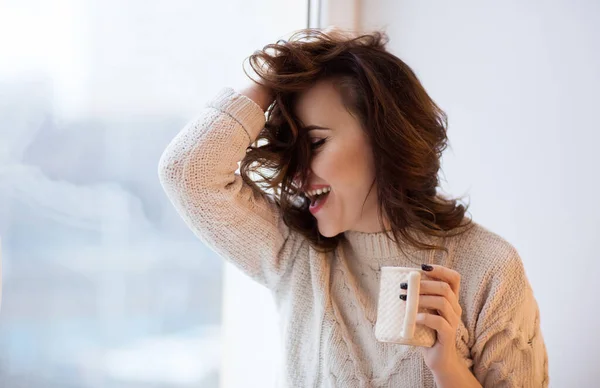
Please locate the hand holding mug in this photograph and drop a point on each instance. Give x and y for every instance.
(420, 307)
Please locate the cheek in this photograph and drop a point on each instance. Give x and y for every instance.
(330, 170)
(343, 168)
(330, 165)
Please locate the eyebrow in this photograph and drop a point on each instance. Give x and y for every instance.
(311, 127)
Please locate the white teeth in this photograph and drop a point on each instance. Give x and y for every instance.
(319, 191)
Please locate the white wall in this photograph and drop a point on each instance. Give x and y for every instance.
(519, 81)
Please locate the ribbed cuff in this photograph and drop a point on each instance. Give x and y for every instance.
(243, 109)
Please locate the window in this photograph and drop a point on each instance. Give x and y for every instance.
(103, 284)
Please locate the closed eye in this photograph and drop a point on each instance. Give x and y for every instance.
(317, 144)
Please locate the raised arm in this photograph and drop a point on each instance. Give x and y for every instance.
(197, 172)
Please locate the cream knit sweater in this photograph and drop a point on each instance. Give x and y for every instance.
(328, 303)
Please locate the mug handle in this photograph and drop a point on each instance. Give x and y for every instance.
(412, 304)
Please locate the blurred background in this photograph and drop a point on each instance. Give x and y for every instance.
(104, 286)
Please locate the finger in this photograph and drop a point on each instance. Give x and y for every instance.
(446, 274)
(443, 307)
(437, 287)
(446, 335)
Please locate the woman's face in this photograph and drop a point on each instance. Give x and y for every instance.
(344, 162)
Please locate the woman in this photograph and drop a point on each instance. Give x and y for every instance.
(353, 144)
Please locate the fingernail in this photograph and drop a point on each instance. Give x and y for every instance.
(404, 286)
(426, 267)
(403, 296)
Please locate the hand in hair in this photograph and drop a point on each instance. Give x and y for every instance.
(259, 94)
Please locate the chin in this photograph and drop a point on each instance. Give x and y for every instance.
(328, 232)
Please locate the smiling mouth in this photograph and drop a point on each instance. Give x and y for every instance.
(313, 196)
(318, 202)
(320, 197)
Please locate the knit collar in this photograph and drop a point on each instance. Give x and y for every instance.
(378, 245)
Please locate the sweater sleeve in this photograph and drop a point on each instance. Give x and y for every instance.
(197, 172)
(509, 349)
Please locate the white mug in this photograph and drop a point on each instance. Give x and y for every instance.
(396, 318)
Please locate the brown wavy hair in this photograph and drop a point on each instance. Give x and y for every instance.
(406, 129)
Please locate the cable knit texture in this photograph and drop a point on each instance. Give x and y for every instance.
(328, 302)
